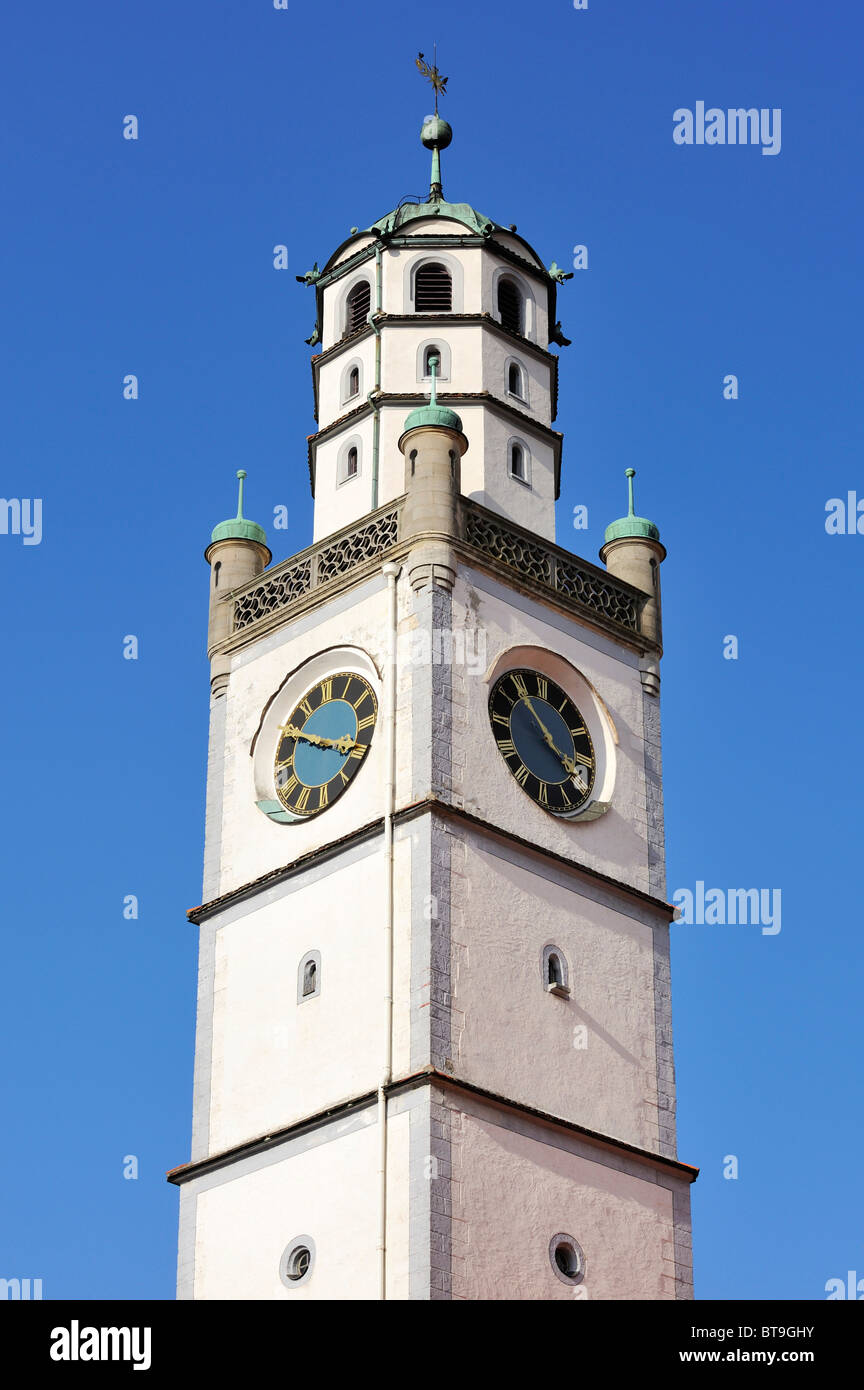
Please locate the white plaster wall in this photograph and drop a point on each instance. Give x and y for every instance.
(397, 263)
(332, 404)
(485, 476)
(339, 504)
(399, 345)
(329, 1193)
(251, 843)
(515, 1039)
(276, 1060)
(497, 354)
(514, 1193)
(616, 843)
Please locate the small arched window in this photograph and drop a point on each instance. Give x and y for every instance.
(351, 462)
(554, 971)
(518, 466)
(514, 381)
(357, 307)
(433, 289)
(353, 381)
(510, 305)
(216, 568)
(309, 977)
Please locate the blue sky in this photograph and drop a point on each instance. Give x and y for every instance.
(260, 127)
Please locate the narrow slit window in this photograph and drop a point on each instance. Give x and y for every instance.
(517, 462)
(514, 380)
(353, 381)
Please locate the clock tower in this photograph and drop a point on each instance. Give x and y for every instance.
(434, 1048)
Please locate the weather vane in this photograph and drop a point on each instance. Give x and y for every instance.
(439, 83)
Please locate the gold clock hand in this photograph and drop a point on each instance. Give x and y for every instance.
(567, 762)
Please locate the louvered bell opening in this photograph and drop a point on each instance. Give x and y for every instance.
(358, 304)
(510, 306)
(433, 290)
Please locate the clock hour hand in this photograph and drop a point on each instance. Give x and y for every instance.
(566, 761)
(342, 745)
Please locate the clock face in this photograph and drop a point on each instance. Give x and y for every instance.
(544, 741)
(324, 743)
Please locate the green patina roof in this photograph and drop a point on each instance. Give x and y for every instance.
(436, 136)
(238, 528)
(433, 413)
(631, 527)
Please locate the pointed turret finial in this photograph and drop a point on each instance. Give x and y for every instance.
(433, 372)
(239, 528)
(436, 133)
(241, 474)
(439, 416)
(630, 474)
(631, 526)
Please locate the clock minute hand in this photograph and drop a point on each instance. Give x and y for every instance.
(567, 762)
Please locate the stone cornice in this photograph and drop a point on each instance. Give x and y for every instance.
(425, 1076)
(430, 805)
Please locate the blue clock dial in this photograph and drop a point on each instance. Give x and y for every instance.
(324, 743)
(544, 740)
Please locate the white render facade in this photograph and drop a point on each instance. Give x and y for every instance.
(439, 1118)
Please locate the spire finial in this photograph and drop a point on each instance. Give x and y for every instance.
(630, 474)
(241, 474)
(436, 133)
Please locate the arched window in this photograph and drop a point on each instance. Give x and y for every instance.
(510, 305)
(554, 971)
(357, 306)
(351, 463)
(433, 289)
(427, 360)
(216, 568)
(353, 381)
(309, 977)
(518, 466)
(514, 381)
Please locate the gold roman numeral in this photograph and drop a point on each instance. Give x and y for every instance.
(303, 799)
(322, 797)
(519, 682)
(326, 691)
(306, 707)
(501, 719)
(542, 687)
(507, 747)
(521, 774)
(347, 688)
(365, 723)
(364, 696)
(345, 778)
(544, 794)
(357, 751)
(577, 733)
(581, 758)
